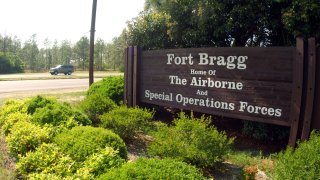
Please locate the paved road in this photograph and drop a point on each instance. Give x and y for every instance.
(36, 85)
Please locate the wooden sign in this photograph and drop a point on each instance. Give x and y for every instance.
(250, 83)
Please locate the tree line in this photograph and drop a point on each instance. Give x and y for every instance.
(224, 23)
(167, 24)
(16, 56)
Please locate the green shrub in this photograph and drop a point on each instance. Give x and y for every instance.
(59, 114)
(112, 87)
(126, 121)
(301, 163)
(154, 169)
(45, 176)
(13, 118)
(83, 141)
(95, 105)
(11, 106)
(46, 158)
(38, 102)
(262, 131)
(101, 162)
(191, 140)
(25, 137)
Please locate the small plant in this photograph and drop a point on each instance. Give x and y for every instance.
(127, 121)
(11, 106)
(83, 141)
(59, 114)
(250, 172)
(101, 162)
(301, 163)
(95, 105)
(13, 118)
(46, 158)
(112, 87)
(38, 102)
(25, 137)
(191, 140)
(154, 169)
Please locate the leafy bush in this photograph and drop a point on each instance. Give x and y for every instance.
(191, 140)
(154, 169)
(101, 162)
(38, 102)
(112, 87)
(25, 137)
(83, 141)
(48, 159)
(11, 106)
(45, 176)
(262, 131)
(95, 105)
(126, 121)
(302, 163)
(11, 119)
(59, 114)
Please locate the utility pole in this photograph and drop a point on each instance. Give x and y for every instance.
(92, 31)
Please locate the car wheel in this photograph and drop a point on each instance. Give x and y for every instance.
(65, 73)
(52, 73)
(69, 73)
(55, 73)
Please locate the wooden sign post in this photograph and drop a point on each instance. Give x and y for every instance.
(250, 83)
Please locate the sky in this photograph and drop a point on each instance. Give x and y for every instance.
(65, 19)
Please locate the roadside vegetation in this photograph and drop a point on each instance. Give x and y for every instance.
(47, 138)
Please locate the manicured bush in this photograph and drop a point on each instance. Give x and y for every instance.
(301, 163)
(83, 141)
(154, 169)
(11, 106)
(25, 137)
(11, 119)
(191, 140)
(47, 158)
(59, 114)
(112, 87)
(127, 121)
(101, 162)
(36, 102)
(46, 176)
(95, 105)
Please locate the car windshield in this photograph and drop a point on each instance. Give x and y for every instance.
(58, 66)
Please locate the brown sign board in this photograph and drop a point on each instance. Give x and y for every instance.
(250, 83)
(245, 83)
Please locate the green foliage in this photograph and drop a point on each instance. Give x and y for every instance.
(45, 176)
(25, 137)
(191, 140)
(302, 18)
(127, 121)
(154, 169)
(263, 131)
(13, 118)
(301, 163)
(47, 158)
(38, 102)
(112, 87)
(46, 110)
(101, 162)
(154, 27)
(83, 141)
(10, 63)
(11, 106)
(95, 105)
